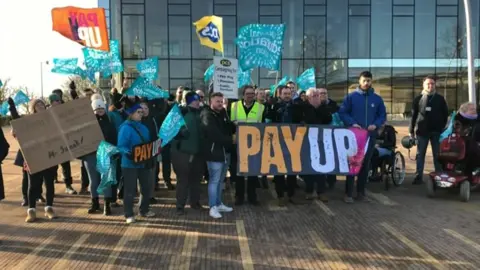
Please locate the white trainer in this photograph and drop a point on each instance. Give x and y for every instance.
(223, 208)
(214, 212)
(130, 220)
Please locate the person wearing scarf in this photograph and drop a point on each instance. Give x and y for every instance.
(429, 118)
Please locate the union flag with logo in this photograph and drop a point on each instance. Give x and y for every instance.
(87, 26)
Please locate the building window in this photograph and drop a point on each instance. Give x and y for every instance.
(133, 36)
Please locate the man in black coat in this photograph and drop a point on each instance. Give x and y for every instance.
(217, 145)
(429, 118)
(332, 107)
(4, 147)
(315, 113)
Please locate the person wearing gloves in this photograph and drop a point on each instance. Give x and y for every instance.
(363, 109)
(110, 136)
(133, 132)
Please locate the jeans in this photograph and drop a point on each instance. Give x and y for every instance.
(166, 163)
(311, 180)
(25, 180)
(130, 176)
(280, 185)
(217, 172)
(189, 171)
(90, 165)
(434, 139)
(363, 174)
(35, 185)
(383, 152)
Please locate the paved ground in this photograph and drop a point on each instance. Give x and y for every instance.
(400, 229)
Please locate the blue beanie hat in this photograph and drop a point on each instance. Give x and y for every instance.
(133, 108)
(191, 97)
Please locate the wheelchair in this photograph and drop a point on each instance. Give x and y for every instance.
(390, 168)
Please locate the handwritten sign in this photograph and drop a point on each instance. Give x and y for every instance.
(283, 149)
(59, 134)
(145, 152)
(225, 77)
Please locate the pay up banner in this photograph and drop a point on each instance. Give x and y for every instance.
(145, 152)
(59, 134)
(280, 149)
(225, 77)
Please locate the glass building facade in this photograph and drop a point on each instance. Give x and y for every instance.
(399, 41)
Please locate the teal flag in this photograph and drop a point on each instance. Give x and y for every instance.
(171, 126)
(208, 75)
(449, 130)
(143, 87)
(260, 46)
(20, 98)
(106, 166)
(102, 61)
(283, 81)
(4, 108)
(148, 68)
(65, 66)
(306, 80)
(243, 78)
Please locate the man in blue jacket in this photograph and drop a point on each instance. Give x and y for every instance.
(362, 109)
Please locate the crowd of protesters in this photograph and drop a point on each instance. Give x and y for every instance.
(205, 146)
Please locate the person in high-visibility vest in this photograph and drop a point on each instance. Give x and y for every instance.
(245, 110)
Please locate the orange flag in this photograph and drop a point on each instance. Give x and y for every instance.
(86, 26)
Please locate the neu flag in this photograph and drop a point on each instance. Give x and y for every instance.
(260, 46)
(104, 62)
(209, 30)
(148, 68)
(86, 26)
(1, 83)
(20, 98)
(243, 78)
(106, 166)
(207, 76)
(144, 88)
(4, 108)
(306, 80)
(65, 66)
(171, 126)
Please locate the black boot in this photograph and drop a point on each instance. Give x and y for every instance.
(107, 211)
(94, 207)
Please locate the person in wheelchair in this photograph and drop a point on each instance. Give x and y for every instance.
(384, 150)
(467, 125)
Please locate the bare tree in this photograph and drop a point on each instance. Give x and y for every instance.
(80, 83)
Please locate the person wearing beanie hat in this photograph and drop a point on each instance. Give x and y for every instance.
(59, 93)
(133, 132)
(54, 100)
(187, 146)
(89, 161)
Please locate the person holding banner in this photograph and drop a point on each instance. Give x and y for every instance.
(314, 113)
(249, 111)
(56, 99)
(36, 179)
(216, 129)
(365, 109)
(133, 132)
(187, 157)
(284, 111)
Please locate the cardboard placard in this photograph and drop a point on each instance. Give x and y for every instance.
(144, 152)
(225, 77)
(61, 133)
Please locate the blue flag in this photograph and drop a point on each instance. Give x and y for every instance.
(306, 80)
(260, 46)
(148, 68)
(449, 130)
(102, 61)
(20, 98)
(145, 88)
(4, 109)
(106, 166)
(171, 126)
(207, 76)
(65, 66)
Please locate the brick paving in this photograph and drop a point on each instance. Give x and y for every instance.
(399, 229)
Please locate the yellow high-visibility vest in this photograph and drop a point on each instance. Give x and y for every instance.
(238, 114)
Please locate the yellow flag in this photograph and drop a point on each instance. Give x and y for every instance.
(210, 32)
